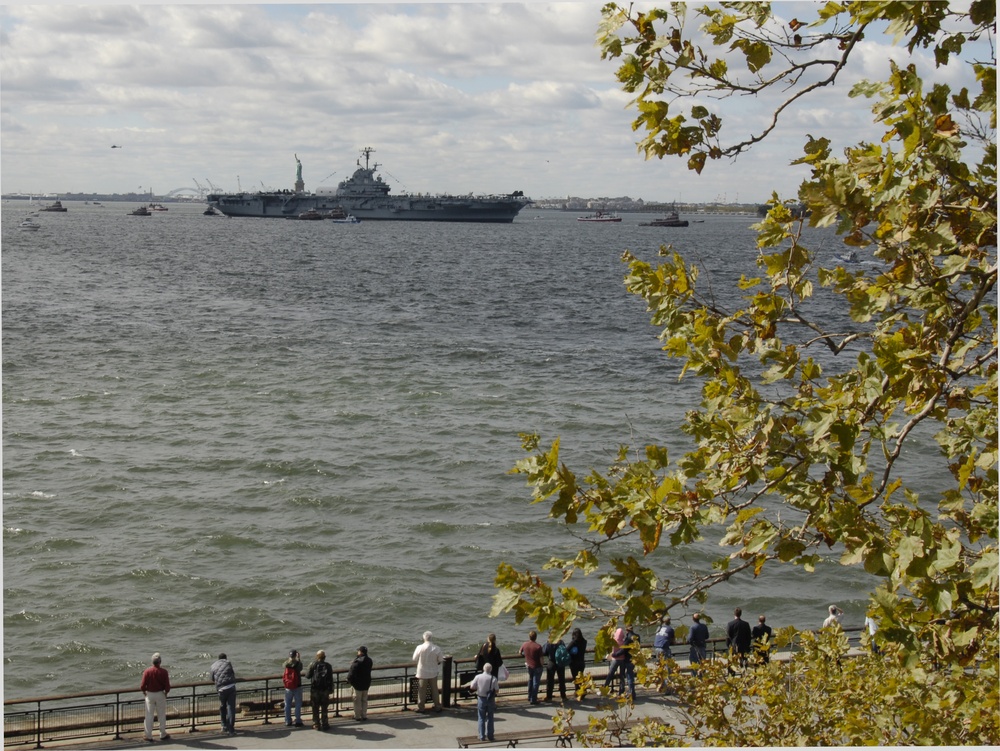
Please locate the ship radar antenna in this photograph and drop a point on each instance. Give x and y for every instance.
(366, 152)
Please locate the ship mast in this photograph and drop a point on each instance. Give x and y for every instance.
(365, 152)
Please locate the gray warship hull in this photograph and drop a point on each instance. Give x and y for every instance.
(500, 209)
(366, 196)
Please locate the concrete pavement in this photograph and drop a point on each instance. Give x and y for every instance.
(392, 728)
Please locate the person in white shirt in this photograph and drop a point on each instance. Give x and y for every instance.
(428, 658)
(834, 617)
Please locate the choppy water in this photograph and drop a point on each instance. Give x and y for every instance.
(251, 435)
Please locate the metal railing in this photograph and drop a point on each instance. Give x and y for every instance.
(193, 706)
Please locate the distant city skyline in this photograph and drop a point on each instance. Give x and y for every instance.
(453, 97)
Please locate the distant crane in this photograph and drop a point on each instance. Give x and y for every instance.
(201, 190)
(213, 187)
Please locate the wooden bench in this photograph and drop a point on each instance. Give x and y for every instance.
(563, 740)
(252, 708)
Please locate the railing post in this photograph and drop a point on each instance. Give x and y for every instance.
(337, 696)
(38, 726)
(118, 716)
(446, 680)
(267, 702)
(192, 705)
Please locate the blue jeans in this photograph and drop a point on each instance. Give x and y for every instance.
(227, 709)
(630, 678)
(487, 708)
(617, 666)
(293, 696)
(534, 683)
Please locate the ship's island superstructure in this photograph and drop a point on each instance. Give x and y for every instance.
(366, 196)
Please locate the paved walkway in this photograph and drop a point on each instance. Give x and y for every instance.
(390, 728)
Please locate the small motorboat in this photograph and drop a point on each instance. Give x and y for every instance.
(349, 219)
(29, 225)
(141, 211)
(601, 217)
(56, 206)
(158, 207)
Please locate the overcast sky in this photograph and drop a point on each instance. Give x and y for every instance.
(453, 97)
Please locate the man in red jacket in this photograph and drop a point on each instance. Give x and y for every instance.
(155, 686)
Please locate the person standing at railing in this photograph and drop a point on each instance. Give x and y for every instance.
(155, 685)
(489, 653)
(555, 667)
(359, 675)
(428, 658)
(761, 634)
(834, 618)
(224, 675)
(662, 643)
(739, 638)
(698, 639)
(531, 651)
(577, 656)
(486, 686)
(320, 676)
(292, 678)
(616, 659)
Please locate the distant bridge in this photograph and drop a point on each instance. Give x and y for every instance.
(186, 193)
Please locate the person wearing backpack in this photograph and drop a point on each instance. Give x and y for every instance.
(359, 675)
(292, 678)
(320, 676)
(224, 676)
(557, 659)
(630, 644)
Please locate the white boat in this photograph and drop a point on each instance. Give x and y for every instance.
(29, 225)
(600, 216)
(349, 219)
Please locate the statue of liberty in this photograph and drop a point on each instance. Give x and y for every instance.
(299, 185)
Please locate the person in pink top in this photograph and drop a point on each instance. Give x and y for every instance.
(531, 651)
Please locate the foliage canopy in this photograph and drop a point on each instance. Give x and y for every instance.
(797, 444)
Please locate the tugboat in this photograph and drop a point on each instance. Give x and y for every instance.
(141, 211)
(670, 219)
(56, 206)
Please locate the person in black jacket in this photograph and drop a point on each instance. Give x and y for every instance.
(577, 655)
(738, 637)
(489, 653)
(320, 676)
(359, 675)
(761, 635)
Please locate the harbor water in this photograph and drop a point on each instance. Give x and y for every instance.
(251, 435)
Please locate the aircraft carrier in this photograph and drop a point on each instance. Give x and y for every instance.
(365, 195)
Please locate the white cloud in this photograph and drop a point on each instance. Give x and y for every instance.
(454, 97)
